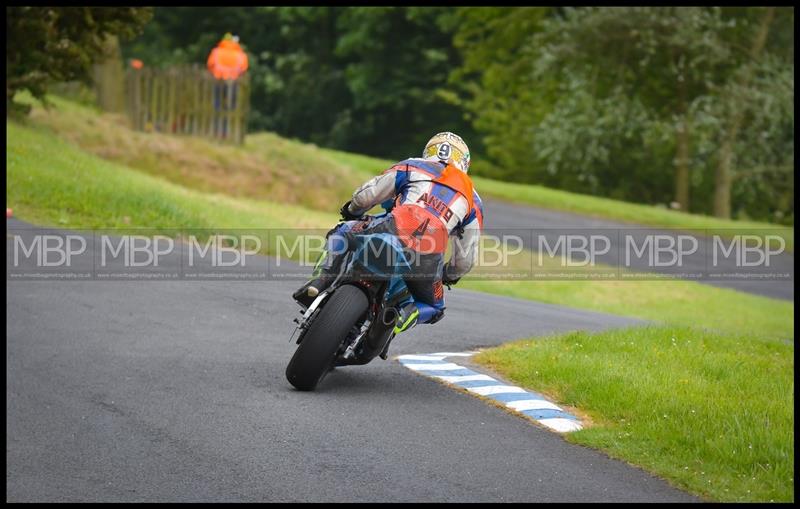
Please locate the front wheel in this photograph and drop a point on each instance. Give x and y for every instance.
(316, 353)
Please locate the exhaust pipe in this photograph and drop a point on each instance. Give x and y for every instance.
(389, 316)
(378, 335)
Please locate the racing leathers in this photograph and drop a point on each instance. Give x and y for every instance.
(432, 203)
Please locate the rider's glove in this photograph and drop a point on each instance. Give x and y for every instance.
(346, 214)
(447, 281)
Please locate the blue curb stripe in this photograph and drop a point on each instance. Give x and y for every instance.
(547, 413)
(552, 418)
(508, 397)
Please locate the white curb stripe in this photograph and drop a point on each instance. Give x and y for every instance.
(495, 389)
(464, 378)
(532, 404)
(561, 425)
(421, 357)
(434, 367)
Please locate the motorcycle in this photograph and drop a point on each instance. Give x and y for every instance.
(352, 321)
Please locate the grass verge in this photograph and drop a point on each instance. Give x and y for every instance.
(265, 167)
(51, 182)
(684, 303)
(712, 413)
(633, 213)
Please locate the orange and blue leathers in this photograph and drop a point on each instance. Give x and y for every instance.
(431, 202)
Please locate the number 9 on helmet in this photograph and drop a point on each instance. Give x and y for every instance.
(448, 147)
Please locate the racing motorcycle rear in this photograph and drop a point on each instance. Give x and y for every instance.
(352, 321)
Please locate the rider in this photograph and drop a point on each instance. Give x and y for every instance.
(431, 200)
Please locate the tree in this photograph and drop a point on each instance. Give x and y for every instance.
(50, 44)
(668, 57)
(651, 104)
(496, 86)
(737, 97)
(397, 61)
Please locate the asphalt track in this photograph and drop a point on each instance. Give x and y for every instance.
(510, 218)
(175, 391)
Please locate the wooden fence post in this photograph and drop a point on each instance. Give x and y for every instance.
(187, 100)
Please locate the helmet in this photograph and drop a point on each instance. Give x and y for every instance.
(448, 147)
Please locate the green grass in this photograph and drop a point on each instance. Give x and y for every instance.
(51, 182)
(618, 210)
(684, 303)
(712, 413)
(363, 166)
(265, 167)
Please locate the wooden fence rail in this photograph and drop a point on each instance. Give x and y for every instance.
(188, 100)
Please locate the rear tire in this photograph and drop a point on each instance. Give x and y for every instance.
(315, 355)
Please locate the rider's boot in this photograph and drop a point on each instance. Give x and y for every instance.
(306, 294)
(409, 314)
(321, 278)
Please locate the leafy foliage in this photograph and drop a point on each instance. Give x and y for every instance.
(53, 44)
(635, 102)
